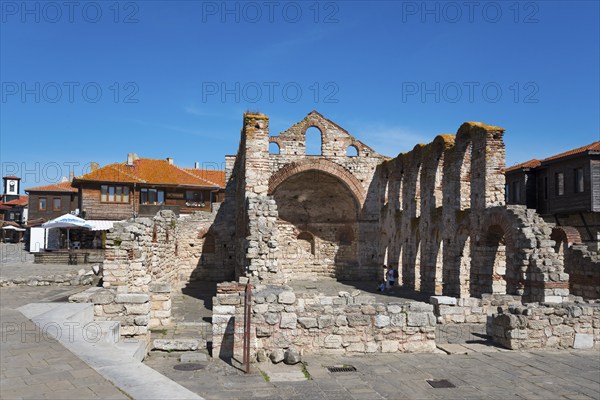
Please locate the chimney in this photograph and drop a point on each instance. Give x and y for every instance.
(93, 166)
(170, 160)
(130, 159)
(71, 175)
(197, 165)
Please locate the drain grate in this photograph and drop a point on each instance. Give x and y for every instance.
(189, 367)
(440, 383)
(343, 368)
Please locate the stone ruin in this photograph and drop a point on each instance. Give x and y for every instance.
(437, 213)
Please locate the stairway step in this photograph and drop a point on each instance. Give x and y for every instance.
(178, 344)
(135, 348)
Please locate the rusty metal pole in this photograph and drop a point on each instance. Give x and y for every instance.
(247, 316)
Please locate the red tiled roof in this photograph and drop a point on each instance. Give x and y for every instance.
(536, 163)
(3, 207)
(212, 175)
(17, 202)
(583, 149)
(148, 171)
(54, 187)
(12, 177)
(527, 164)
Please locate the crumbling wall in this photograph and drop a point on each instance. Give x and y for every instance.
(349, 323)
(563, 326)
(443, 222)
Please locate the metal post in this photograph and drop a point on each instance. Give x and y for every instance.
(247, 316)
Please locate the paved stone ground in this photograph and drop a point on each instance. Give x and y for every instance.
(499, 375)
(34, 366)
(15, 262)
(478, 368)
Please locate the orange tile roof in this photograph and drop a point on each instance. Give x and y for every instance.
(527, 164)
(536, 163)
(148, 171)
(583, 149)
(212, 175)
(54, 187)
(23, 200)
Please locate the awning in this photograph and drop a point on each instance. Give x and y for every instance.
(67, 221)
(12, 228)
(100, 225)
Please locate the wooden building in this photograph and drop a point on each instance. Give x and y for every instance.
(566, 183)
(143, 186)
(52, 201)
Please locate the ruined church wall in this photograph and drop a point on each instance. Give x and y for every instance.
(444, 224)
(310, 323)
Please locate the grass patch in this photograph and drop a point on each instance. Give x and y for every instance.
(161, 331)
(265, 376)
(305, 372)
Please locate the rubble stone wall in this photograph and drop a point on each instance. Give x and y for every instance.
(348, 323)
(470, 310)
(562, 326)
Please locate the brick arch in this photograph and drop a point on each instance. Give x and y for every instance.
(322, 165)
(565, 234)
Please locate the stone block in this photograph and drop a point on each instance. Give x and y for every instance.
(286, 297)
(389, 346)
(341, 320)
(325, 321)
(141, 320)
(358, 320)
(178, 344)
(583, 341)
(138, 309)
(381, 321)
(446, 300)
(160, 288)
(288, 320)
(420, 307)
(113, 308)
(333, 341)
(417, 319)
(103, 297)
(134, 298)
(226, 310)
(307, 322)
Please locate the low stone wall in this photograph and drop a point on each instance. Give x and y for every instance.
(52, 280)
(584, 271)
(160, 305)
(561, 326)
(132, 310)
(470, 310)
(349, 323)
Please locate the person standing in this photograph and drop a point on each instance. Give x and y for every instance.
(391, 276)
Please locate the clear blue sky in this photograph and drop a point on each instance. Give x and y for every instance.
(393, 73)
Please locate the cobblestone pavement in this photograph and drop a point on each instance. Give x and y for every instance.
(15, 262)
(478, 368)
(499, 375)
(34, 366)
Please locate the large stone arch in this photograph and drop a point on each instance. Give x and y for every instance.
(322, 165)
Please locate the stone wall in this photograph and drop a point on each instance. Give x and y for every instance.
(470, 310)
(568, 325)
(348, 323)
(131, 310)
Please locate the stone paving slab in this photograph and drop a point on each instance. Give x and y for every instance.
(33, 365)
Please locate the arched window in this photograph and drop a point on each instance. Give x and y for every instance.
(307, 242)
(314, 140)
(352, 151)
(273, 148)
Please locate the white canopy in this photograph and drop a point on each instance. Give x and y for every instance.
(67, 221)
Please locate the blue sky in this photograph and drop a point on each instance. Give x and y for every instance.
(103, 79)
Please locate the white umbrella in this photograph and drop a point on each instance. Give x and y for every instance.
(67, 221)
